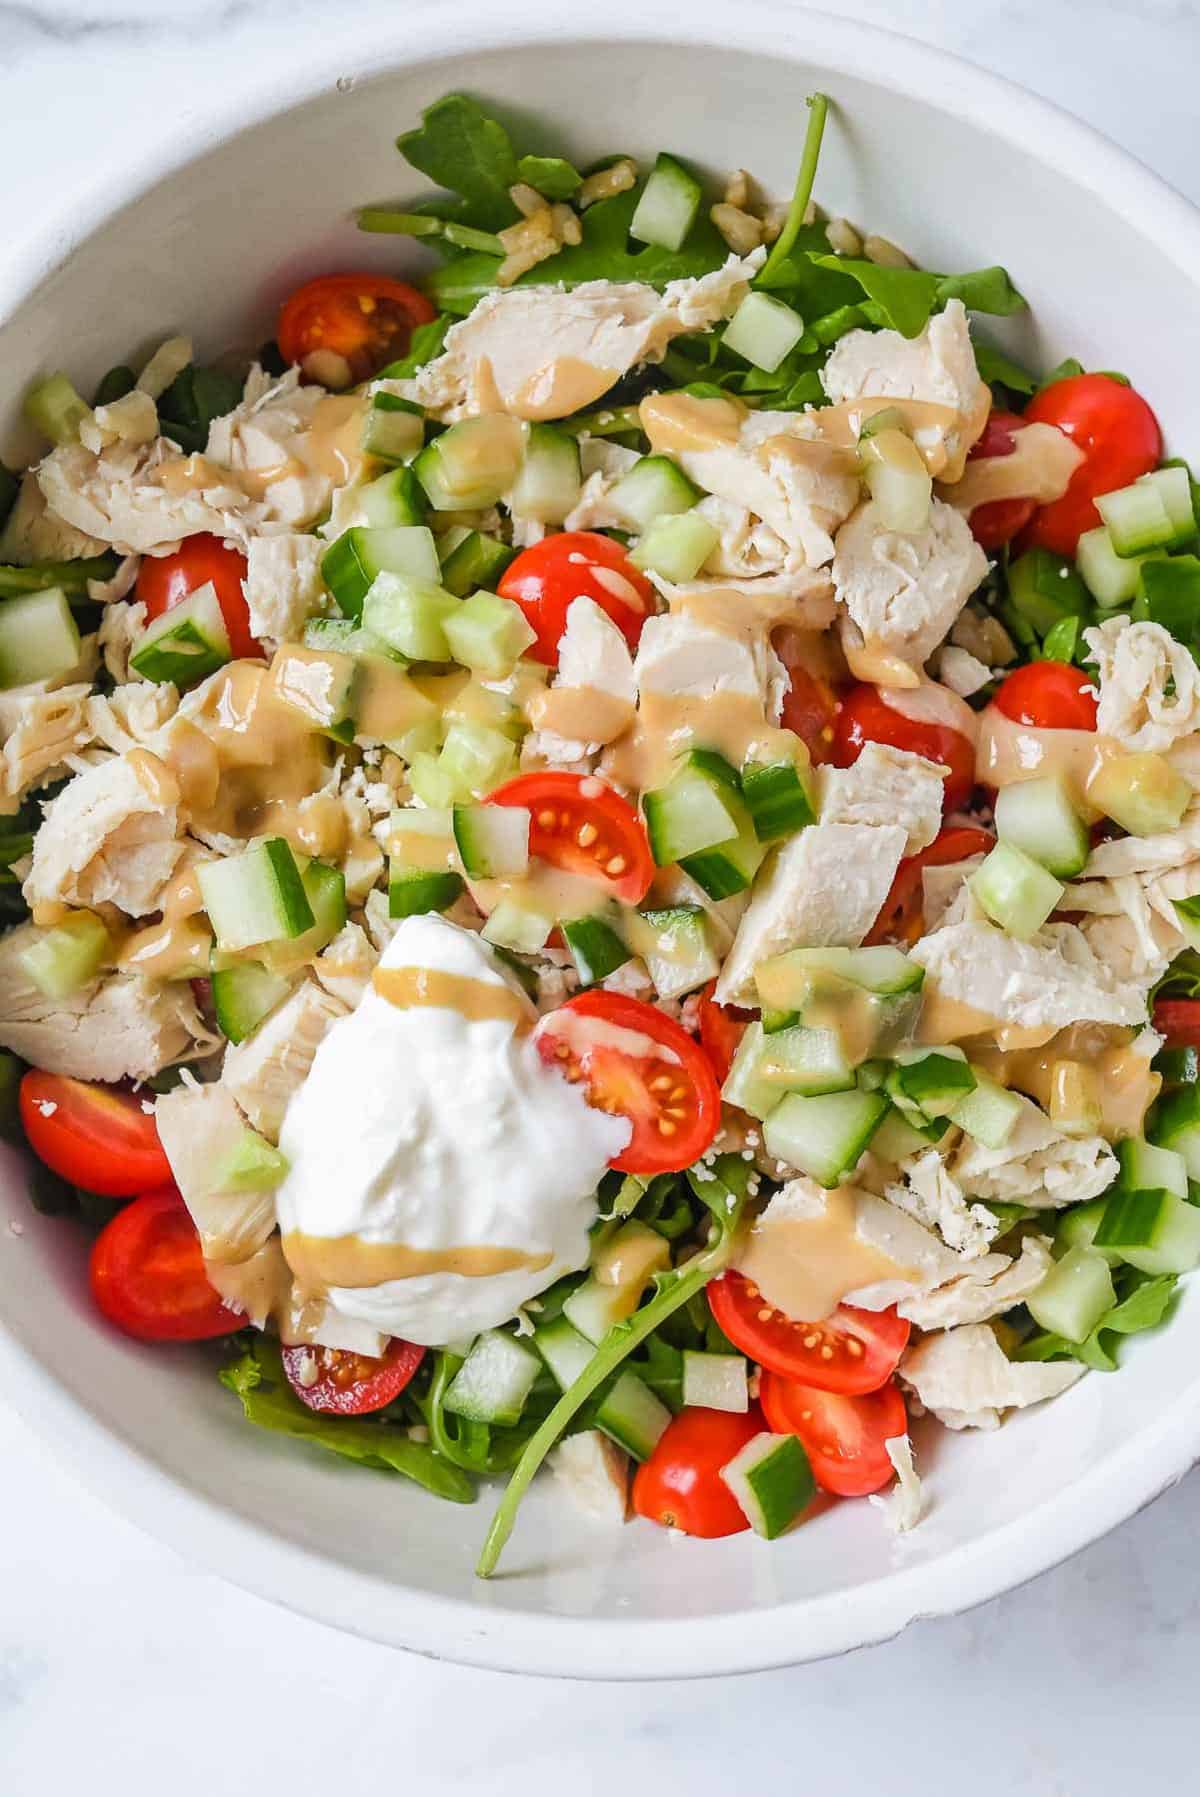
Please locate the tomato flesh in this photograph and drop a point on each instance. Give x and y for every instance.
(583, 826)
(997, 522)
(843, 1436)
(681, 1487)
(637, 1064)
(333, 1379)
(97, 1137)
(901, 917)
(147, 1274)
(367, 319)
(1119, 437)
(165, 580)
(810, 704)
(1047, 695)
(549, 576)
(863, 718)
(1178, 1019)
(721, 1029)
(852, 1351)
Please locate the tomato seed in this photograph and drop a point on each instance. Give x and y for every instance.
(665, 1127)
(546, 820)
(854, 1347)
(616, 865)
(587, 835)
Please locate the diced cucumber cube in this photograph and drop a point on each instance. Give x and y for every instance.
(549, 483)
(68, 955)
(596, 946)
(1074, 1295)
(696, 810)
(779, 797)
(988, 1112)
(805, 1060)
(473, 464)
(396, 501)
(1154, 513)
(824, 1137)
(715, 1382)
(933, 1081)
(249, 1163)
(53, 407)
(676, 547)
(410, 614)
(744, 1085)
(763, 330)
(1155, 1231)
(678, 946)
(772, 1481)
(39, 639)
(1015, 891)
(630, 1413)
(667, 209)
(1143, 793)
(785, 982)
(1037, 817)
(243, 995)
(355, 560)
(515, 927)
(1146, 1168)
(494, 1381)
(474, 561)
(412, 891)
(493, 840)
(185, 644)
(1111, 579)
(656, 487)
(255, 897)
(476, 758)
(1177, 1126)
(898, 480)
(488, 634)
(394, 428)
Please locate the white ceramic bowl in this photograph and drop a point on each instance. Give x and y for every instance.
(964, 170)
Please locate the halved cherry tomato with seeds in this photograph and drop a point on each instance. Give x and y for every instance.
(851, 1350)
(863, 718)
(721, 1029)
(1047, 695)
(843, 1436)
(549, 576)
(901, 917)
(333, 1379)
(681, 1487)
(165, 580)
(1119, 437)
(366, 319)
(147, 1274)
(103, 1138)
(582, 825)
(637, 1064)
(997, 522)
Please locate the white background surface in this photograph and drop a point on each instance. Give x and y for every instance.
(124, 1670)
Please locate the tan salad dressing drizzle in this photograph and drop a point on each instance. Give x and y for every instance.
(559, 387)
(479, 1001)
(927, 421)
(1040, 467)
(320, 1262)
(684, 423)
(1007, 753)
(1125, 1083)
(804, 1266)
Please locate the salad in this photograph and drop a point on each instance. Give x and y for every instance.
(601, 854)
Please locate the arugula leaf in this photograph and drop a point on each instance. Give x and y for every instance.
(997, 370)
(781, 249)
(257, 1380)
(72, 577)
(195, 397)
(552, 176)
(907, 297)
(426, 342)
(462, 149)
(606, 253)
(721, 1188)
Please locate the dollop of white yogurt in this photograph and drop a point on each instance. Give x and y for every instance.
(421, 1127)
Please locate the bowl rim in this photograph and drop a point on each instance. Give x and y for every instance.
(468, 1630)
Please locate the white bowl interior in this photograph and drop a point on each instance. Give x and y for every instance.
(211, 249)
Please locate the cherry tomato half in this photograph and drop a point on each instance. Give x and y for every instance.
(1119, 437)
(851, 1351)
(147, 1274)
(997, 522)
(164, 580)
(1178, 1019)
(574, 564)
(681, 1487)
(721, 1029)
(99, 1137)
(863, 718)
(350, 1384)
(843, 1436)
(810, 704)
(367, 319)
(901, 916)
(585, 827)
(637, 1064)
(1047, 695)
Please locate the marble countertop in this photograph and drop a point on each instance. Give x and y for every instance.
(124, 1669)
